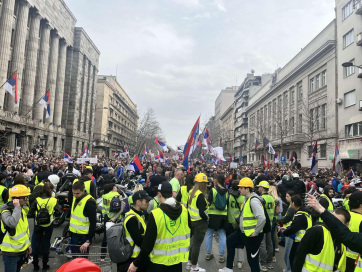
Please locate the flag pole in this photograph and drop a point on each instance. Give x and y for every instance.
(8, 79)
(36, 103)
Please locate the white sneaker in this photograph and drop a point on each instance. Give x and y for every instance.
(225, 269)
(188, 266)
(277, 249)
(240, 265)
(198, 269)
(263, 268)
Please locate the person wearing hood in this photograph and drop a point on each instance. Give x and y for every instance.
(90, 187)
(14, 221)
(167, 238)
(217, 218)
(287, 185)
(326, 199)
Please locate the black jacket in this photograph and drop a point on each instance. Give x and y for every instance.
(93, 191)
(299, 222)
(155, 181)
(135, 229)
(288, 216)
(151, 232)
(284, 187)
(41, 176)
(216, 221)
(34, 207)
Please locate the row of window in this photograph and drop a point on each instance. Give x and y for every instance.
(353, 129)
(347, 10)
(317, 82)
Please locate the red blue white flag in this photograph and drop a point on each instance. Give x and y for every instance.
(337, 163)
(67, 158)
(314, 160)
(190, 143)
(11, 86)
(45, 101)
(85, 152)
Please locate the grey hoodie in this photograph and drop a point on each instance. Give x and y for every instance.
(258, 211)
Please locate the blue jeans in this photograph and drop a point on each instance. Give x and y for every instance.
(288, 246)
(222, 240)
(78, 240)
(273, 230)
(13, 263)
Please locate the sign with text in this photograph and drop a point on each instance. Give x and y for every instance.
(84, 160)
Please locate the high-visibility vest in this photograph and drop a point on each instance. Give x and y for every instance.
(345, 204)
(79, 224)
(107, 198)
(39, 184)
(324, 261)
(249, 220)
(36, 182)
(50, 205)
(330, 205)
(184, 195)
(234, 207)
(130, 201)
(87, 184)
(358, 265)
(354, 223)
(270, 206)
(212, 208)
(193, 210)
(2, 188)
(343, 260)
(128, 216)
(156, 202)
(285, 225)
(20, 241)
(173, 238)
(300, 233)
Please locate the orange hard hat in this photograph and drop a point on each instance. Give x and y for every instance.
(79, 265)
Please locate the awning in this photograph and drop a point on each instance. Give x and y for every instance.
(351, 154)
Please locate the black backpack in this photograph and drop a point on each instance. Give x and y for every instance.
(115, 205)
(43, 216)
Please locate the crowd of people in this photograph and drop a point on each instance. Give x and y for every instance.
(173, 211)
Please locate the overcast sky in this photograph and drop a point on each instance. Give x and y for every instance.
(177, 55)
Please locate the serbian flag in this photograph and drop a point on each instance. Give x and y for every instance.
(266, 162)
(11, 86)
(126, 150)
(276, 158)
(207, 142)
(162, 144)
(314, 160)
(190, 143)
(292, 158)
(161, 156)
(135, 165)
(337, 163)
(229, 163)
(67, 158)
(179, 149)
(145, 151)
(115, 153)
(85, 152)
(202, 156)
(45, 102)
(351, 173)
(257, 143)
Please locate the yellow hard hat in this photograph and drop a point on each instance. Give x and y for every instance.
(19, 190)
(246, 182)
(201, 177)
(89, 167)
(264, 184)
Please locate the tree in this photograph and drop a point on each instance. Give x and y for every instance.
(148, 129)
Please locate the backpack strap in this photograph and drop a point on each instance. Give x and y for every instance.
(46, 204)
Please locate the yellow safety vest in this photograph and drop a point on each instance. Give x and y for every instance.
(330, 205)
(212, 208)
(342, 261)
(156, 202)
(354, 223)
(345, 204)
(270, 206)
(107, 198)
(193, 210)
(21, 240)
(130, 201)
(36, 182)
(173, 238)
(128, 216)
(39, 184)
(234, 207)
(41, 203)
(79, 224)
(87, 184)
(184, 195)
(324, 261)
(2, 188)
(300, 234)
(359, 265)
(285, 225)
(249, 220)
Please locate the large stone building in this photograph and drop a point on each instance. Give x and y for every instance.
(116, 118)
(349, 49)
(227, 131)
(299, 106)
(39, 41)
(247, 89)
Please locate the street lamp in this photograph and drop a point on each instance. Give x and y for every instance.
(349, 64)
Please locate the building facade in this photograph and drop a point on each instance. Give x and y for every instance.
(349, 49)
(39, 41)
(116, 118)
(227, 131)
(247, 89)
(299, 105)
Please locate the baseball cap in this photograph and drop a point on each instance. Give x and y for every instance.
(356, 197)
(165, 187)
(141, 195)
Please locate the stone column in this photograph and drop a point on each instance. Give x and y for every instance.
(67, 86)
(6, 24)
(52, 73)
(42, 71)
(18, 56)
(82, 102)
(59, 91)
(27, 95)
(94, 73)
(10, 141)
(88, 98)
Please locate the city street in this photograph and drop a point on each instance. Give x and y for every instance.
(212, 265)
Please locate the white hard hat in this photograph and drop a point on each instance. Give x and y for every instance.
(295, 175)
(54, 179)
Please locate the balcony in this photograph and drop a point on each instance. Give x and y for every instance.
(359, 39)
(359, 73)
(358, 6)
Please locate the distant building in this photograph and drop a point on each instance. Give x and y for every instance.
(116, 118)
(227, 131)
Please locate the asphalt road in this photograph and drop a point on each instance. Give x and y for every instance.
(212, 265)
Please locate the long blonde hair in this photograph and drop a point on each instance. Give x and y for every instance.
(273, 191)
(137, 188)
(198, 186)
